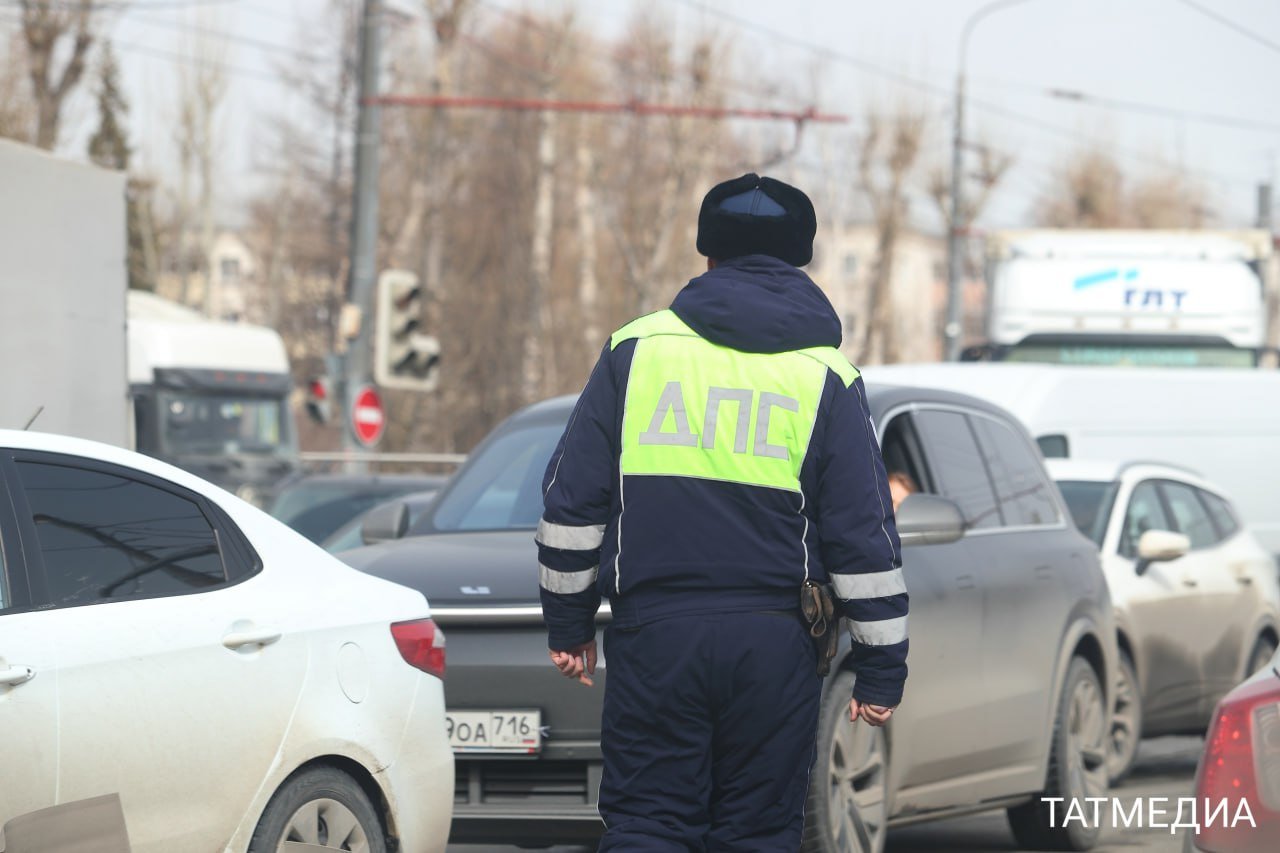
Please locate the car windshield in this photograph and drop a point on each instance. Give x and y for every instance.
(1090, 504)
(501, 488)
(1133, 355)
(202, 424)
(348, 536)
(316, 509)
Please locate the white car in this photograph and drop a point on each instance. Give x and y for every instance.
(1197, 598)
(181, 672)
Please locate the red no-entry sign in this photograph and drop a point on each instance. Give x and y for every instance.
(368, 421)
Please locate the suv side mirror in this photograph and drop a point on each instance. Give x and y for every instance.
(385, 523)
(929, 520)
(1160, 546)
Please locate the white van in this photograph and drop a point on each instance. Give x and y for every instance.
(1220, 422)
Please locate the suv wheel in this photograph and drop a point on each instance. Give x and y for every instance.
(1126, 723)
(321, 809)
(1077, 768)
(848, 809)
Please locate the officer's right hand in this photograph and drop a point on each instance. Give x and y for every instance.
(570, 662)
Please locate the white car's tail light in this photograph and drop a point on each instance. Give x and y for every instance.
(1242, 762)
(421, 644)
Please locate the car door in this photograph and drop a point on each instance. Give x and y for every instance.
(1218, 600)
(1162, 611)
(1032, 563)
(28, 687)
(944, 703)
(175, 685)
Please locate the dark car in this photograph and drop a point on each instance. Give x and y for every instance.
(353, 534)
(316, 505)
(1012, 643)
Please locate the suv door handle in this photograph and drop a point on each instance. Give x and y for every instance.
(965, 581)
(252, 637)
(1191, 582)
(16, 675)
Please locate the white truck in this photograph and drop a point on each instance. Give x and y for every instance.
(1132, 298)
(80, 355)
(210, 397)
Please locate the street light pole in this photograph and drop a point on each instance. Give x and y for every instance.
(952, 330)
(364, 218)
(958, 225)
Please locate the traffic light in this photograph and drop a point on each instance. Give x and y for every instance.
(403, 356)
(319, 394)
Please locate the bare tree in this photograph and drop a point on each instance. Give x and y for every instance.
(17, 109)
(1092, 190)
(46, 26)
(981, 184)
(652, 202)
(539, 370)
(886, 160)
(202, 87)
(1088, 193)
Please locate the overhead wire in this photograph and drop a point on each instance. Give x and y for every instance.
(1240, 29)
(939, 90)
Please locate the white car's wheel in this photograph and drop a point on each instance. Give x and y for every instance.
(321, 808)
(1263, 651)
(848, 806)
(1126, 723)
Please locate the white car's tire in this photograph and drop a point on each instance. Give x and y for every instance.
(1263, 651)
(1126, 723)
(323, 807)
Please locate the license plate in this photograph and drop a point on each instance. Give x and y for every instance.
(495, 731)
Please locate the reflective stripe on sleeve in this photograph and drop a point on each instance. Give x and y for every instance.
(885, 632)
(566, 583)
(568, 537)
(869, 585)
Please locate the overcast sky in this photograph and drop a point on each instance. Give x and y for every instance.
(1161, 54)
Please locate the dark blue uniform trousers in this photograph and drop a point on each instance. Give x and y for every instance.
(708, 734)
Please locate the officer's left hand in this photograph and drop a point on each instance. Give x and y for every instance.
(875, 715)
(570, 662)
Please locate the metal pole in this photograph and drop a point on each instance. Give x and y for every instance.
(953, 331)
(364, 219)
(953, 328)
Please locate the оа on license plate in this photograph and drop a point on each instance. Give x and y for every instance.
(495, 731)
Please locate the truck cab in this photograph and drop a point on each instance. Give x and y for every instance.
(1126, 298)
(210, 397)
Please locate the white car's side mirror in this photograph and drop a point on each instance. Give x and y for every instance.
(1158, 546)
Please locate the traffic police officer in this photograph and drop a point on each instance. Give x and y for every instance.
(720, 457)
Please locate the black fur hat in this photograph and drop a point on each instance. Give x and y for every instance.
(752, 215)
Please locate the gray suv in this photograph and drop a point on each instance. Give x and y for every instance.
(1012, 643)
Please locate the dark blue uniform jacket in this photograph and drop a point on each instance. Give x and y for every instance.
(659, 546)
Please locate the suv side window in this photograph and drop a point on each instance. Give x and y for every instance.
(1145, 512)
(957, 467)
(1189, 515)
(1221, 513)
(1026, 498)
(106, 536)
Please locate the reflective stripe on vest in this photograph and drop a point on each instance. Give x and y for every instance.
(697, 409)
